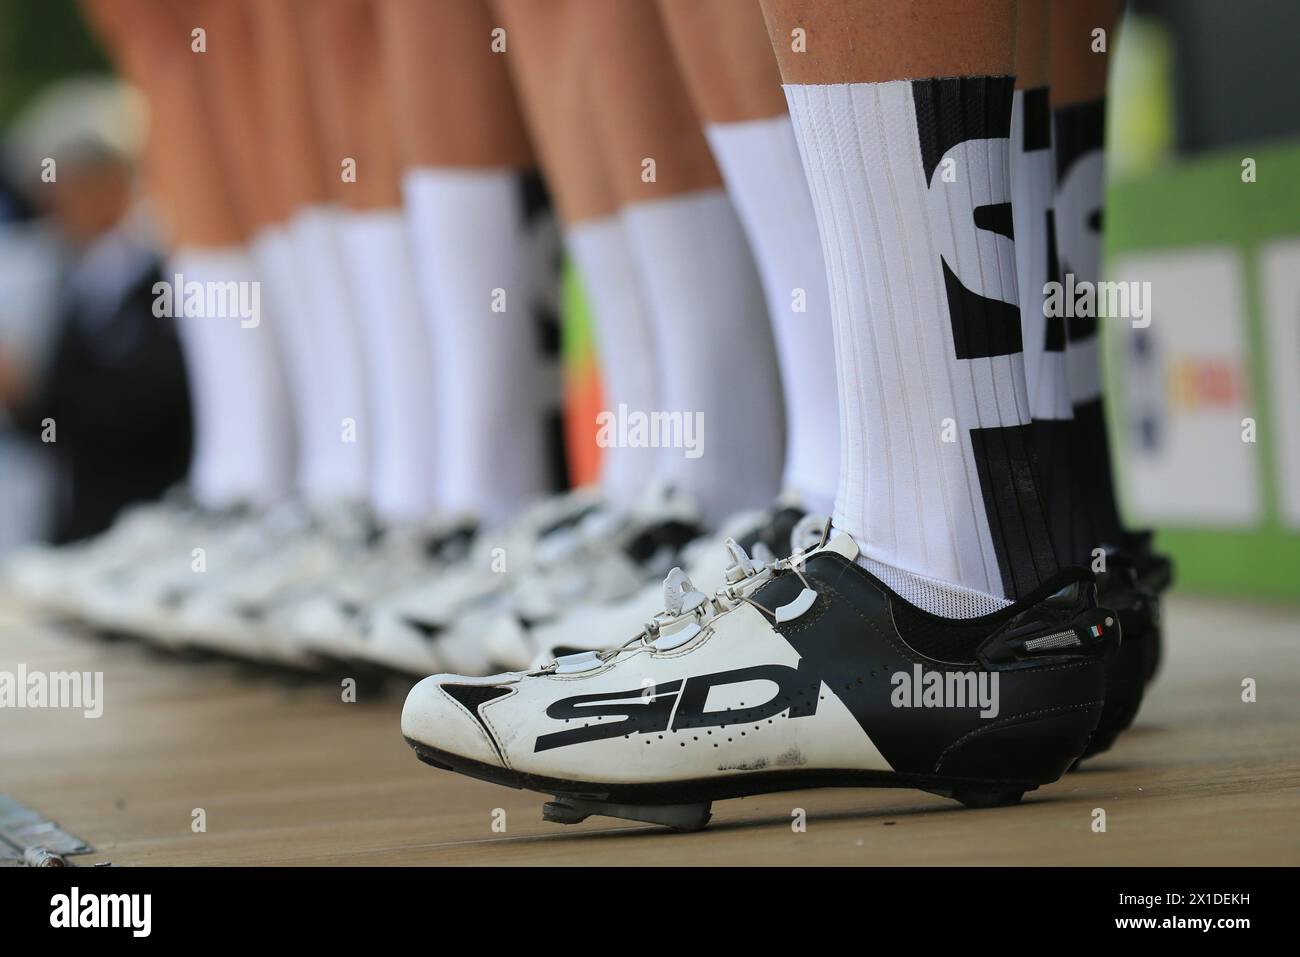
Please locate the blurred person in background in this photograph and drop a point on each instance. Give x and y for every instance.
(111, 399)
(30, 263)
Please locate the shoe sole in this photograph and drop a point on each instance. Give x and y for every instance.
(684, 805)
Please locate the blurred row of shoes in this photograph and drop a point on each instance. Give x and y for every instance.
(329, 589)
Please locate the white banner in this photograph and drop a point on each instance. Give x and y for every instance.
(1186, 456)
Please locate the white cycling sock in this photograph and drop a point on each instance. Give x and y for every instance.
(493, 392)
(277, 267)
(911, 185)
(243, 430)
(399, 366)
(720, 385)
(760, 163)
(339, 430)
(625, 344)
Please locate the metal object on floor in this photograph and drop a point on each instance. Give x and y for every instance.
(29, 839)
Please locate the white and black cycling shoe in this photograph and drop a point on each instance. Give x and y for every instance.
(767, 534)
(807, 672)
(1134, 580)
(602, 552)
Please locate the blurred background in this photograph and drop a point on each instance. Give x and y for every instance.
(1204, 167)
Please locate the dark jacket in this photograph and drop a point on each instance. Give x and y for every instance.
(117, 394)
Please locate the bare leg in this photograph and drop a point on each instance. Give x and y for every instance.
(349, 93)
(553, 91)
(641, 104)
(185, 175)
(243, 436)
(231, 81)
(891, 40)
(727, 60)
(1033, 53)
(1078, 65)
(482, 113)
(473, 211)
(357, 119)
(547, 70)
(715, 353)
(293, 134)
(301, 265)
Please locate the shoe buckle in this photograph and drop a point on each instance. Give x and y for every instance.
(668, 640)
(573, 664)
(680, 595)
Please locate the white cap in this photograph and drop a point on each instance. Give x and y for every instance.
(75, 121)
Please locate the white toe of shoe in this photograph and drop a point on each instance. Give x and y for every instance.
(444, 712)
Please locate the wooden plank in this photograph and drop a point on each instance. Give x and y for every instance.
(287, 773)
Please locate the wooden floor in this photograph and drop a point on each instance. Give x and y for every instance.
(289, 774)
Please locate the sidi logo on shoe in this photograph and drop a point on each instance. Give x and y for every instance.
(682, 704)
(921, 688)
